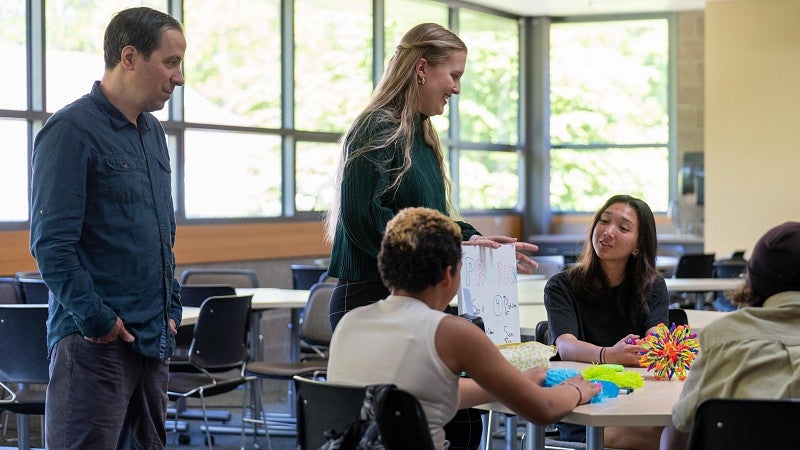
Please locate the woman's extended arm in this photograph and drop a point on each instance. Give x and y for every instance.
(462, 346)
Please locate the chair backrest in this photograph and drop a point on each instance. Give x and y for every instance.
(240, 278)
(220, 333)
(540, 332)
(34, 290)
(729, 423)
(677, 316)
(195, 294)
(322, 406)
(403, 423)
(10, 291)
(306, 275)
(23, 344)
(729, 268)
(694, 265)
(28, 274)
(316, 326)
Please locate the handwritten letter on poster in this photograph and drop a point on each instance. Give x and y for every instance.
(489, 290)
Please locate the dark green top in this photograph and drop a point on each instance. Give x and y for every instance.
(365, 211)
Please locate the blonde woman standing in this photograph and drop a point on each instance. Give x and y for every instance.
(392, 159)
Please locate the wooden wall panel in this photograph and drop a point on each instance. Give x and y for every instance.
(240, 242)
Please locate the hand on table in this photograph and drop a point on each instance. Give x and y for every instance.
(536, 374)
(586, 387)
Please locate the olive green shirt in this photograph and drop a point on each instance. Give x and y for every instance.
(750, 353)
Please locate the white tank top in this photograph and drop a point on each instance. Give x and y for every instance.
(393, 341)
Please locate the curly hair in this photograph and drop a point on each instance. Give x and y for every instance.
(418, 246)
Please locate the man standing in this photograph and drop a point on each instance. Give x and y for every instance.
(102, 232)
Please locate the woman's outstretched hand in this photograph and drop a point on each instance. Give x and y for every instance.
(524, 263)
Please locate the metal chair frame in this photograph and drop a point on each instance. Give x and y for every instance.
(219, 355)
(24, 368)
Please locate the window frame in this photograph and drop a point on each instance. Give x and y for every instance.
(532, 145)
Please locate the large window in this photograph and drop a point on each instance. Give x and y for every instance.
(12, 51)
(609, 122)
(333, 61)
(254, 133)
(488, 111)
(13, 151)
(233, 64)
(232, 174)
(74, 46)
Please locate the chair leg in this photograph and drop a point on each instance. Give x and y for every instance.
(283, 424)
(257, 417)
(487, 431)
(209, 442)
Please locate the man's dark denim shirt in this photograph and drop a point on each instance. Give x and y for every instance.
(103, 225)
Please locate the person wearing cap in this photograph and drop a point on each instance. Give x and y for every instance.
(753, 352)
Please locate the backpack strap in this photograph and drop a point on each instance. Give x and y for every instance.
(374, 399)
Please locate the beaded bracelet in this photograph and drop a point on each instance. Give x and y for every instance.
(580, 394)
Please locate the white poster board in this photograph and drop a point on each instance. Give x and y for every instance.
(489, 290)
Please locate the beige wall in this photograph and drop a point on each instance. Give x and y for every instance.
(690, 89)
(752, 119)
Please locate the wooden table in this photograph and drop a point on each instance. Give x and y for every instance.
(650, 405)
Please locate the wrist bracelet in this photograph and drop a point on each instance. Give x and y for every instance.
(602, 355)
(580, 394)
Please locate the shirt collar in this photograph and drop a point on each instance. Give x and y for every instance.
(783, 299)
(115, 116)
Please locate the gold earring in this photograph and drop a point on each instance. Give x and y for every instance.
(421, 80)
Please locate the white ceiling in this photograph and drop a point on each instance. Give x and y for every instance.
(555, 8)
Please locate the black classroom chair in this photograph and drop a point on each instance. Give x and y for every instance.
(735, 267)
(219, 355)
(24, 365)
(322, 406)
(726, 423)
(694, 265)
(306, 275)
(10, 291)
(239, 278)
(34, 291)
(194, 295)
(315, 331)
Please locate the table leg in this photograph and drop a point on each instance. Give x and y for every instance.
(23, 431)
(594, 438)
(256, 339)
(294, 339)
(534, 436)
(700, 301)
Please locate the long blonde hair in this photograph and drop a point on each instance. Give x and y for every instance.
(395, 103)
